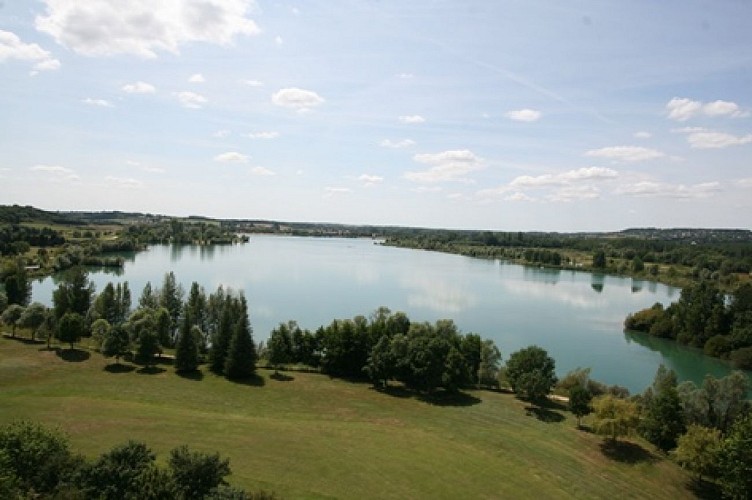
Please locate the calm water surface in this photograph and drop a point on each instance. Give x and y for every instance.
(576, 316)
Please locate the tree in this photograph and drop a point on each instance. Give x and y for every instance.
(735, 460)
(171, 298)
(531, 372)
(664, 420)
(380, 366)
(99, 330)
(70, 328)
(149, 299)
(148, 346)
(74, 293)
(279, 346)
(116, 343)
(195, 474)
(186, 350)
(17, 284)
(38, 457)
(697, 450)
(614, 417)
(579, 402)
(11, 315)
(221, 340)
(241, 355)
(3, 302)
(599, 259)
(123, 472)
(488, 369)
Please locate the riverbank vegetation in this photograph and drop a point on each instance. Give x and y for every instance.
(51, 241)
(207, 338)
(704, 317)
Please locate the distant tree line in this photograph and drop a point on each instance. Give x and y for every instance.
(704, 317)
(37, 462)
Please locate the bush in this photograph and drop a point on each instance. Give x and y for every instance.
(742, 358)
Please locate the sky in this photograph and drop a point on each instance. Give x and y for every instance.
(516, 115)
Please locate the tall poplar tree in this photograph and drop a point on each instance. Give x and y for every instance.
(186, 350)
(241, 356)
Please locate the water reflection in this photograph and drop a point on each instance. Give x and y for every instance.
(543, 274)
(439, 296)
(597, 281)
(571, 294)
(689, 363)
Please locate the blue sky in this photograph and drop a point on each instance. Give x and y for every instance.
(509, 115)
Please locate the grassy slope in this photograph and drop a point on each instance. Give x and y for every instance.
(314, 437)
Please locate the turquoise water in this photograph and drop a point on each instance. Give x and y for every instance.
(576, 316)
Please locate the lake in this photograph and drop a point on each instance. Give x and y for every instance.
(577, 317)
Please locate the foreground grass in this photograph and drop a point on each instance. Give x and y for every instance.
(309, 436)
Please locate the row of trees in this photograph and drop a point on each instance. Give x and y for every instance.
(37, 462)
(704, 317)
(215, 327)
(388, 346)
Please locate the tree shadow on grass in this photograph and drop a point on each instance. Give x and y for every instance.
(544, 414)
(626, 452)
(443, 398)
(119, 368)
(196, 375)
(254, 380)
(25, 340)
(281, 377)
(706, 490)
(150, 370)
(439, 398)
(72, 355)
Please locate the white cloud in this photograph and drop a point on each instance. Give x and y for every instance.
(262, 171)
(519, 196)
(523, 115)
(330, 192)
(124, 182)
(153, 170)
(11, 47)
(682, 109)
(413, 119)
(221, 134)
(650, 189)
(278, 40)
(197, 78)
(625, 153)
(297, 99)
(446, 166)
(427, 189)
(264, 135)
(143, 27)
(575, 193)
(97, 102)
(231, 157)
(716, 140)
(190, 100)
(724, 108)
(370, 180)
(56, 172)
(404, 143)
(564, 178)
(252, 83)
(745, 183)
(139, 88)
(405, 76)
(687, 130)
(642, 135)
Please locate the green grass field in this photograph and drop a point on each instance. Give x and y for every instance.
(316, 437)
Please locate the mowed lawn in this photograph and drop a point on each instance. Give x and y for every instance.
(316, 437)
